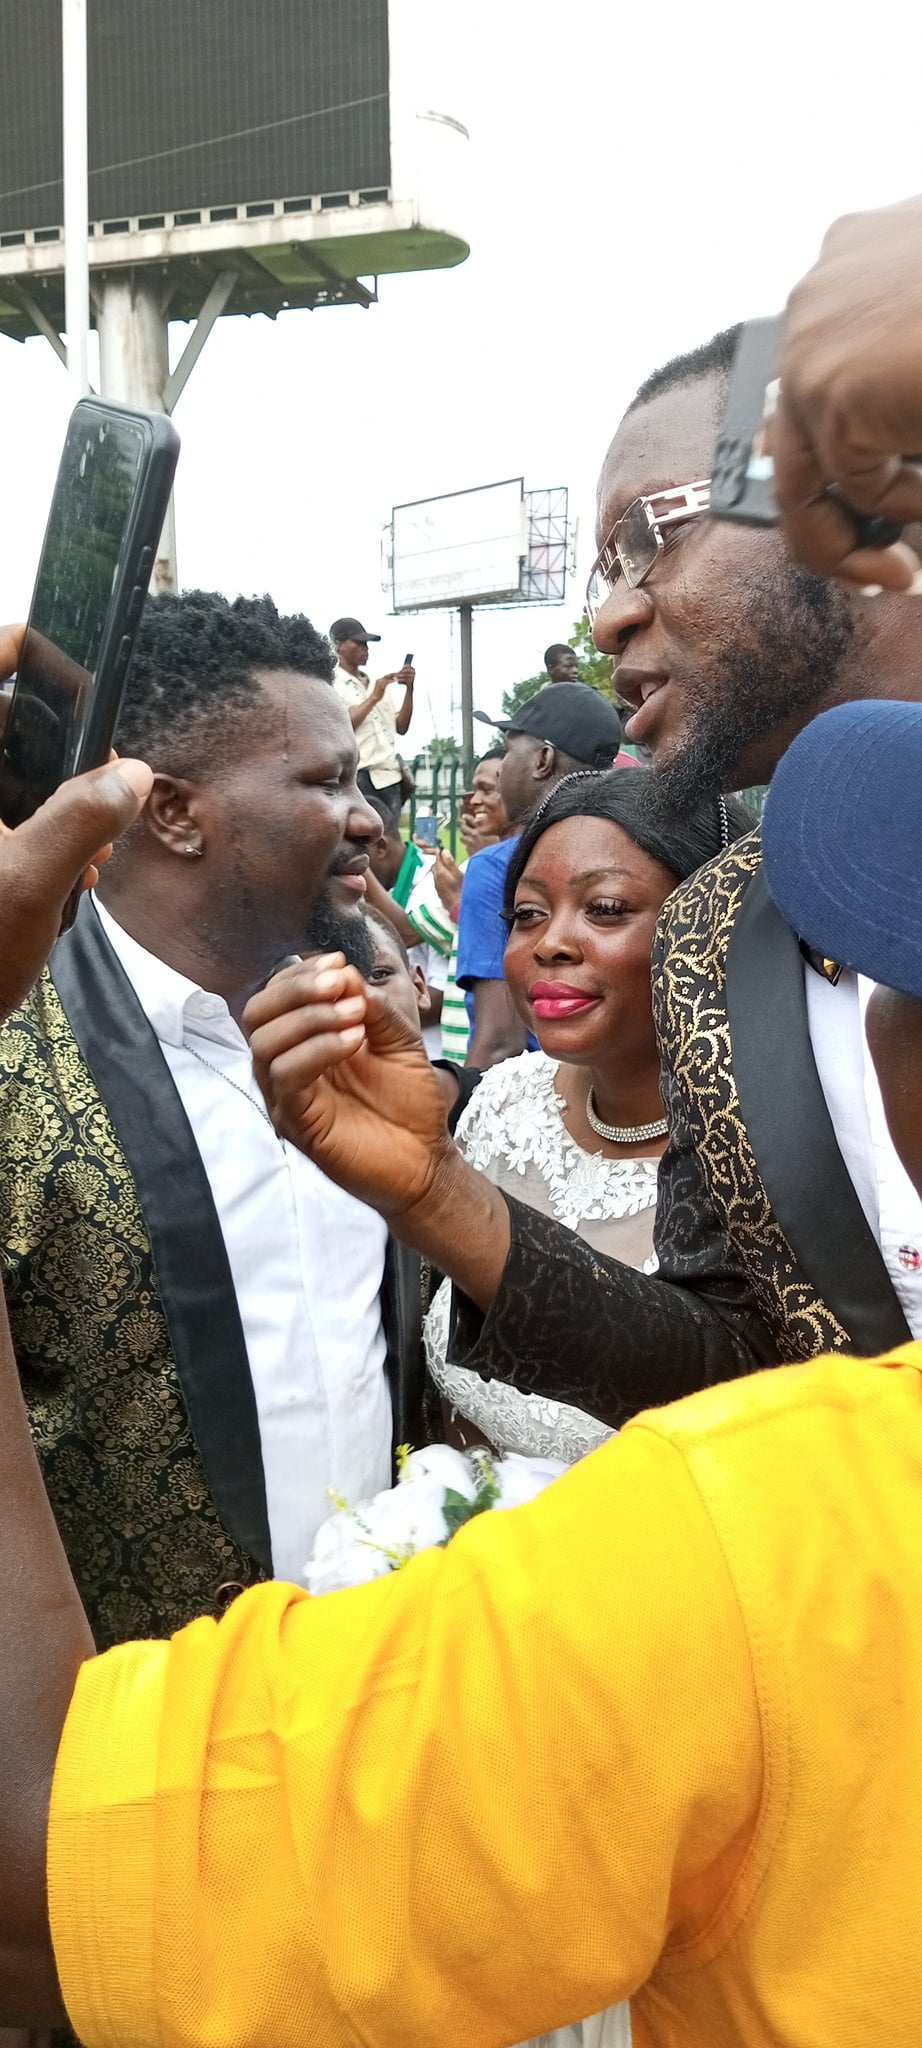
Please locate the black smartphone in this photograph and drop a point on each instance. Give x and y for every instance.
(107, 512)
(743, 473)
(408, 661)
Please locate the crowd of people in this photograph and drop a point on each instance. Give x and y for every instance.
(638, 1762)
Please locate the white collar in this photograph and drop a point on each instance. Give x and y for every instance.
(175, 1007)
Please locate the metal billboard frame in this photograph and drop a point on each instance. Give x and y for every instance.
(449, 601)
(545, 564)
(253, 255)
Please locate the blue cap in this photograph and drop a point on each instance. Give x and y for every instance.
(843, 840)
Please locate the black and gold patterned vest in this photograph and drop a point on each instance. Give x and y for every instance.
(122, 1310)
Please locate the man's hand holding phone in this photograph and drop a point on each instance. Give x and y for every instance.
(850, 407)
(44, 858)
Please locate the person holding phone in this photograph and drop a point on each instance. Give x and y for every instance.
(654, 1734)
(377, 719)
(238, 1788)
(207, 1341)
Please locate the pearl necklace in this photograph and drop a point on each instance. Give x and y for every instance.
(624, 1134)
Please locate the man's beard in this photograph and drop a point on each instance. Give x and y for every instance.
(799, 629)
(339, 931)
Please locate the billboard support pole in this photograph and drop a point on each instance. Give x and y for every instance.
(134, 366)
(466, 615)
(76, 194)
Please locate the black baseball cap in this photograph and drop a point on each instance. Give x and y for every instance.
(571, 716)
(350, 629)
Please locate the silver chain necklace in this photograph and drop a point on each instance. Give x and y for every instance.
(212, 1069)
(624, 1134)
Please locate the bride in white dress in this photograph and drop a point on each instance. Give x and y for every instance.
(577, 1129)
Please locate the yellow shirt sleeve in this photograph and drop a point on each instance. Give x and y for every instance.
(468, 1803)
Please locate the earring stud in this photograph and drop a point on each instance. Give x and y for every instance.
(197, 850)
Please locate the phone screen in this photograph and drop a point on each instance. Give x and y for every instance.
(90, 513)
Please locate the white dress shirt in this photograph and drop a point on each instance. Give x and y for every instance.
(307, 1263)
(891, 1204)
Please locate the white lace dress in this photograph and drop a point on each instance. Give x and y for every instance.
(513, 1131)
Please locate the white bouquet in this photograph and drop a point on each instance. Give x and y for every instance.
(439, 1489)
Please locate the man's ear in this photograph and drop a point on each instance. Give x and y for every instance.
(545, 762)
(173, 814)
(423, 998)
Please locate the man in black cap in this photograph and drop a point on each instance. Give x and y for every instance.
(565, 728)
(376, 719)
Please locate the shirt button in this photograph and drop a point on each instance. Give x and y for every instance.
(910, 1258)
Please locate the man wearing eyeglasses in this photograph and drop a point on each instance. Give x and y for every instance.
(785, 1224)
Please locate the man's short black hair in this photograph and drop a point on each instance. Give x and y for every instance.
(496, 753)
(559, 647)
(195, 673)
(713, 358)
(383, 924)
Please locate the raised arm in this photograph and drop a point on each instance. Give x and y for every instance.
(349, 1084)
(44, 1635)
(850, 410)
(345, 1081)
(359, 712)
(406, 676)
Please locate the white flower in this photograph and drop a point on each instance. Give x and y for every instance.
(522, 1479)
(440, 1464)
(342, 1556)
(407, 1518)
(366, 1542)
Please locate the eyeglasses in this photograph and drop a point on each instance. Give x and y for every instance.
(637, 539)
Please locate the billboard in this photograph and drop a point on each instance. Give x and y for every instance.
(300, 143)
(466, 548)
(193, 106)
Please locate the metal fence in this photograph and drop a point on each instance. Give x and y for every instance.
(440, 787)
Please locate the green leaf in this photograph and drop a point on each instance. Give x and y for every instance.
(457, 1510)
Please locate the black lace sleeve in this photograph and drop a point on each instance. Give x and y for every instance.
(571, 1324)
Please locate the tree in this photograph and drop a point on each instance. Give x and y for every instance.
(443, 749)
(594, 669)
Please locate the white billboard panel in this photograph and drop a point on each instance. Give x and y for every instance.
(462, 549)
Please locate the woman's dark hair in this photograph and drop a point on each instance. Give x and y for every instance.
(629, 797)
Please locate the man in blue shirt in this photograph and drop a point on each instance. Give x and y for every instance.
(566, 727)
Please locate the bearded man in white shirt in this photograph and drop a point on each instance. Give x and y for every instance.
(785, 1224)
(207, 1341)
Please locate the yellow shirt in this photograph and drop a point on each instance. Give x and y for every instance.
(659, 1734)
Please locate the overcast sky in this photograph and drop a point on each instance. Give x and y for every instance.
(639, 176)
